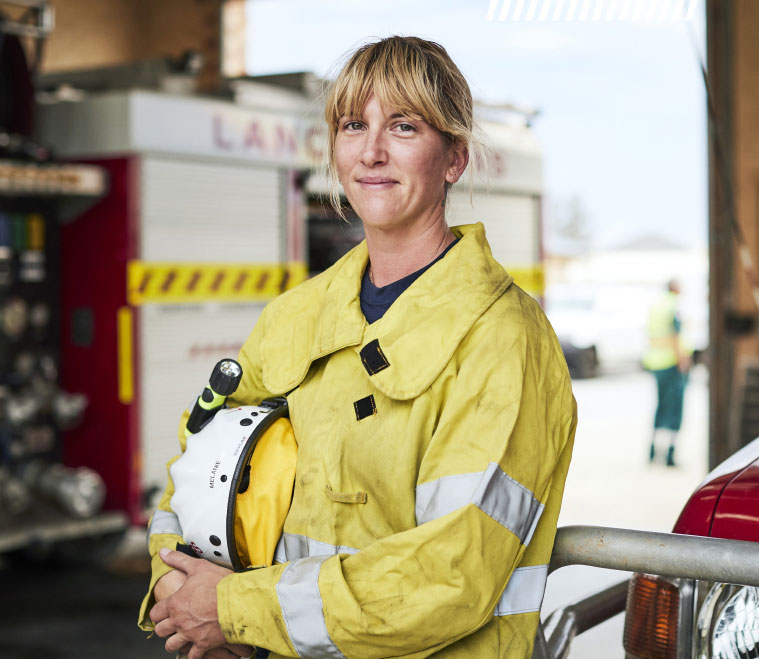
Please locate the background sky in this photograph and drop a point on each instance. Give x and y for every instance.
(622, 118)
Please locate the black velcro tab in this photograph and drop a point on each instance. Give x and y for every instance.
(373, 358)
(365, 407)
(186, 549)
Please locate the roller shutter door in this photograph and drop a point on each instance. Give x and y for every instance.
(195, 210)
(511, 223)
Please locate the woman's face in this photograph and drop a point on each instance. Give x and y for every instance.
(394, 168)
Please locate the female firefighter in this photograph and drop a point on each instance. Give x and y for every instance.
(431, 405)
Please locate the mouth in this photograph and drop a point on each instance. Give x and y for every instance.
(376, 181)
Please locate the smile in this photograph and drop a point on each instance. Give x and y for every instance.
(376, 182)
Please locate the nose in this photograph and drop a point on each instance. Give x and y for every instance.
(374, 151)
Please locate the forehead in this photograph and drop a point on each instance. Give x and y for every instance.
(392, 96)
(374, 105)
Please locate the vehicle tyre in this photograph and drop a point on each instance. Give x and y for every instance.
(587, 363)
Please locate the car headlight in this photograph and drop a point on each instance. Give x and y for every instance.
(728, 622)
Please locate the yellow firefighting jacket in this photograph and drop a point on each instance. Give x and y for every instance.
(433, 446)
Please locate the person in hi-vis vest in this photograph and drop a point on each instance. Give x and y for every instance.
(669, 359)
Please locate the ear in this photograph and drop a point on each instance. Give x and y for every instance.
(458, 158)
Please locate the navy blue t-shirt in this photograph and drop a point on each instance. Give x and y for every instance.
(376, 301)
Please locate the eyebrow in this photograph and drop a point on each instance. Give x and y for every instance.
(397, 115)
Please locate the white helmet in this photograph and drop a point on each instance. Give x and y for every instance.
(208, 475)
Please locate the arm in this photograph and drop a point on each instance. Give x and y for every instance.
(497, 458)
(682, 351)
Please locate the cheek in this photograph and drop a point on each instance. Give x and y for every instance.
(339, 167)
(431, 179)
(429, 167)
(342, 158)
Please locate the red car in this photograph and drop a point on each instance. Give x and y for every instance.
(693, 592)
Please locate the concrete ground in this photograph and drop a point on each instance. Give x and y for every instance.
(612, 483)
(54, 611)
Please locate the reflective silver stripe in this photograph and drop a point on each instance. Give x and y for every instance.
(164, 522)
(492, 491)
(443, 496)
(524, 592)
(292, 547)
(301, 603)
(508, 502)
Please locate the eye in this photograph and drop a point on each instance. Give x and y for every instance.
(405, 128)
(352, 125)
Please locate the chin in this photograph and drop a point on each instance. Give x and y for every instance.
(380, 217)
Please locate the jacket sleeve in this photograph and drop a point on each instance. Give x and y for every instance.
(164, 529)
(487, 498)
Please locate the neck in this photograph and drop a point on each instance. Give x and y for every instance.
(392, 257)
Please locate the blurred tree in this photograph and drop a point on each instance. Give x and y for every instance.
(569, 227)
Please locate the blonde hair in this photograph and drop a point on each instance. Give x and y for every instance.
(414, 76)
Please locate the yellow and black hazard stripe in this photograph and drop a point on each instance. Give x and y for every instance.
(183, 283)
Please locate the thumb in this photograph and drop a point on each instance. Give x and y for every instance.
(178, 560)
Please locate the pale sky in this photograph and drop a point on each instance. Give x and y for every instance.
(622, 116)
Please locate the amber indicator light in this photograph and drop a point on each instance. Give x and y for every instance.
(651, 619)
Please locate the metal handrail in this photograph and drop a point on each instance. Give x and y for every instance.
(663, 554)
(561, 627)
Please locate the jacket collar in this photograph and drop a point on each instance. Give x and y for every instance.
(417, 336)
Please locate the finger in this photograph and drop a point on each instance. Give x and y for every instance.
(197, 653)
(179, 560)
(165, 628)
(160, 611)
(183, 651)
(176, 642)
(239, 650)
(220, 653)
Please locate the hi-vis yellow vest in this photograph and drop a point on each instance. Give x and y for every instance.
(663, 334)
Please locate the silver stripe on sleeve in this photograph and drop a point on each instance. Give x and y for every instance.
(291, 547)
(164, 522)
(301, 603)
(443, 496)
(493, 491)
(524, 592)
(508, 502)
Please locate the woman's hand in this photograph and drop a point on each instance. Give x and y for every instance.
(168, 584)
(228, 651)
(188, 616)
